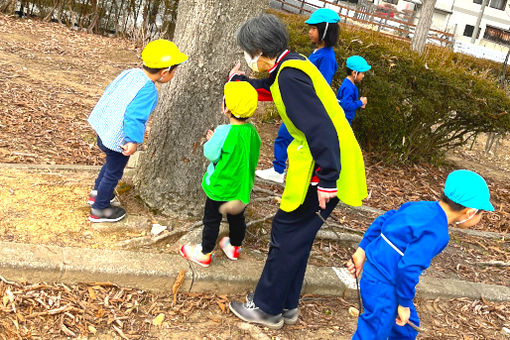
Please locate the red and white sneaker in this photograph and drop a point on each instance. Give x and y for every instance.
(114, 202)
(231, 251)
(194, 253)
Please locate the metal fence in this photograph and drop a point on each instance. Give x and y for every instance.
(386, 20)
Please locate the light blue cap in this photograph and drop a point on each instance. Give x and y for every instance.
(469, 189)
(357, 63)
(323, 15)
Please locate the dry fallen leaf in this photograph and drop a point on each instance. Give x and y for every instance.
(158, 320)
(353, 312)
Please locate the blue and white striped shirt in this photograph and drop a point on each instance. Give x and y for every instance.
(122, 112)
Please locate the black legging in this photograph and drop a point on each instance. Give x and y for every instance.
(212, 219)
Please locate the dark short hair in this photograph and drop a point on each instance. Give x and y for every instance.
(349, 71)
(331, 38)
(265, 33)
(453, 205)
(156, 70)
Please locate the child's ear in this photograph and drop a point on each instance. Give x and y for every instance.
(468, 213)
(163, 72)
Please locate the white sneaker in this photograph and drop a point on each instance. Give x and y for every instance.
(270, 175)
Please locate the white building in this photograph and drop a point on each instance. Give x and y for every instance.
(459, 17)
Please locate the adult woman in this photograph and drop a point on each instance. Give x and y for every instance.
(309, 109)
(323, 33)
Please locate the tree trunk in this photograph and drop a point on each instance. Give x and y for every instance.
(170, 173)
(423, 26)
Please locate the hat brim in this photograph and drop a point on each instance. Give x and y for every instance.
(179, 59)
(365, 69)
(488, 206)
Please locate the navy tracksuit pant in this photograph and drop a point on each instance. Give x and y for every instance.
(380, 303)
(292, 236)
(109, 176)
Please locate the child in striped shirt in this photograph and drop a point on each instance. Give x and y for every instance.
(119, 119)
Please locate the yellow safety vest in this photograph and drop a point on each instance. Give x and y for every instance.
(351, 184)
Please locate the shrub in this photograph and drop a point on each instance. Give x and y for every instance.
(419, 106)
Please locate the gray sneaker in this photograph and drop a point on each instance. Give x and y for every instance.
(111, 214)
(290, 316)
(250, 313)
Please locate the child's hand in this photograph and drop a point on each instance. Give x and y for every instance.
(364, 102)
(355, 264)
(129, 148)
(403, 315)
(209, 134)
(235, 70)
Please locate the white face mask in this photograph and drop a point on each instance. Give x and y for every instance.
(467, 219)
(252, 62)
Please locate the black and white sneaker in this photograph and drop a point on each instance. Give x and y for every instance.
(250, 313)
(111, 214)
(290, 316)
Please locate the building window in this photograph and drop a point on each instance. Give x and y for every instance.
(497, 4)
(497, 35)
(468, 31)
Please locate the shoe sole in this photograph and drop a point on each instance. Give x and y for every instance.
(193, 260)
(268, 325)
(289, 321)
(103, 220)
(231, 258)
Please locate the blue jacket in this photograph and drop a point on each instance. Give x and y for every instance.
(419, 230)
(122, 112)
(348, 97)
(324, 59)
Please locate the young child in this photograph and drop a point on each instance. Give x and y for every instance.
(348, 92)
(400, 244)
(233, 150)
(323, 33)
(119, 120)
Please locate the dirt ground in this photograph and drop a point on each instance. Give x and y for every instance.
(53, 76)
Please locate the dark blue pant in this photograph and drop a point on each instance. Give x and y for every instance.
(109, 176)
(212, 220)
(292, 236)
(281, 143)
(380, 304)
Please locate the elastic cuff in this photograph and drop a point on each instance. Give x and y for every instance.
(404, 302)
(363, 244)
(323, 189)
(232, 76)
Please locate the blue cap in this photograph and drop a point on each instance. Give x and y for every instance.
(469, 189)
(323, 15)
(357, 63)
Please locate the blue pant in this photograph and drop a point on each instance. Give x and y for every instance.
(292, 236)
(109, 176)
(281, 143)
(380, 303)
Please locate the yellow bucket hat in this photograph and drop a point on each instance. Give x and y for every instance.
(240, 98)
(162, 53)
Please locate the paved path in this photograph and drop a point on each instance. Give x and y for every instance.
(157, 272)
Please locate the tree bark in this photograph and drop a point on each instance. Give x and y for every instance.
(422, 28)
(169, 176)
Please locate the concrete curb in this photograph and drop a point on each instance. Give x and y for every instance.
(157, 272)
